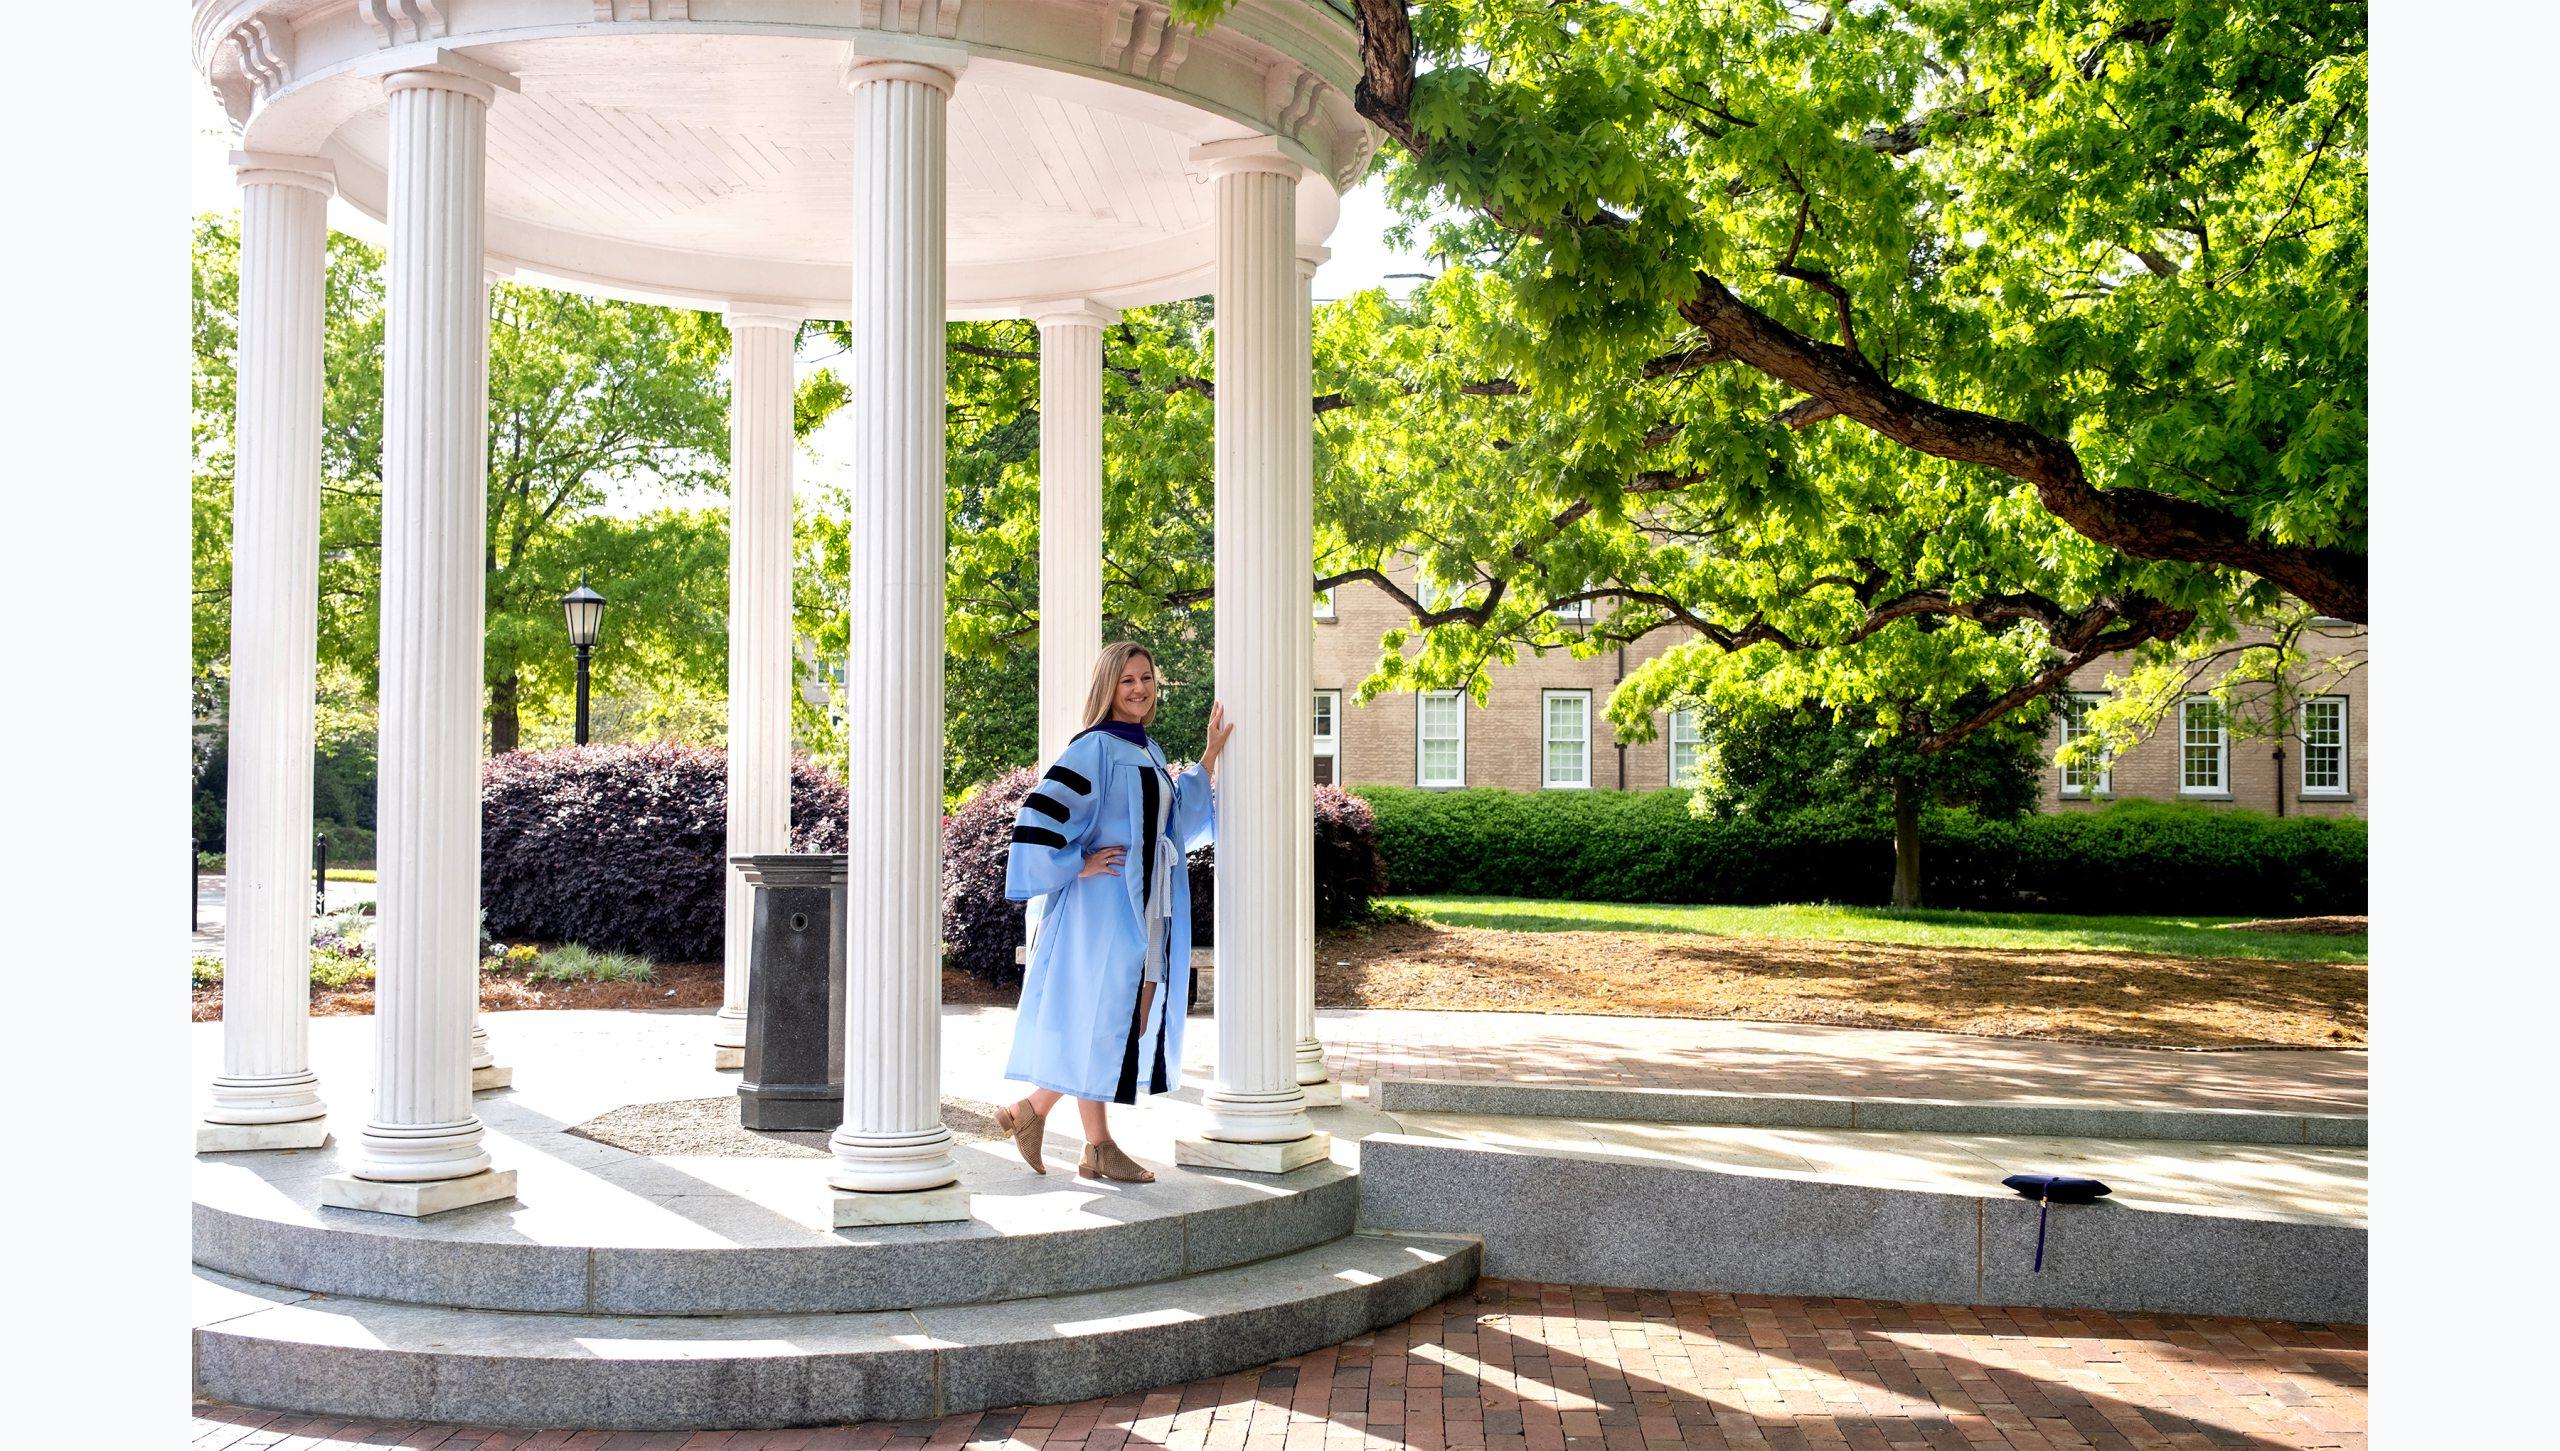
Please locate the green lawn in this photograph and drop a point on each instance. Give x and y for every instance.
(2178, 936)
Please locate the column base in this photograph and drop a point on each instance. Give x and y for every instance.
(495, 1075)
(726, 1059)
(1323, 1094)
(851, 1207)
(420, 1199)
(214, 1138)
(1277, 1158)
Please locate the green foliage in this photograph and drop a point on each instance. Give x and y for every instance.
(204, 971)
(1774, 761)
(575, 963)
(1602, 846)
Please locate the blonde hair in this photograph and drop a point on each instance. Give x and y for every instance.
(1106, 682)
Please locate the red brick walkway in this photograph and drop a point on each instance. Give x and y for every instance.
(1522, 1367)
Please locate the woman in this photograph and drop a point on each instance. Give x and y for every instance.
(1104, 838)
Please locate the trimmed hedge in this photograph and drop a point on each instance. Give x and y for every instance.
(1602, 846)
(623, 848)
(1350, 869)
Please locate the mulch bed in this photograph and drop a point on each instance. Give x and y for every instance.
(709, 1128)
(2303, 926)
(2091, 996)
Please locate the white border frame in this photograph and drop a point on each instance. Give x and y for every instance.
(1671, 742)
(2106, 769)
(1336, 737)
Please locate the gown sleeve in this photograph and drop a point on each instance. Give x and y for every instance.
(1050, 830)
(1195, 810)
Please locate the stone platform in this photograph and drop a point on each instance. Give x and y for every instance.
(661, 1267)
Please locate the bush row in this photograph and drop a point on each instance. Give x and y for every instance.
(2132, 857)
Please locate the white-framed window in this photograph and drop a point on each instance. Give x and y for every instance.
(1686, 747)
(1328, 737)
(1440, 739)
(1324, 604)
(2204, 748)
(1436, 596)
(1568, 740)
(2324, 746)
(1573, 612)
(2084, 778)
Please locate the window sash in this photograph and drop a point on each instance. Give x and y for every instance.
(1328, 722)
(2324, 746)
(1567, 739)
(1684, 746)
(1440, 726)
(2203, 745)
(1324, 605)
(2082, 780)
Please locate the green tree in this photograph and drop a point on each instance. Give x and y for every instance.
(2106, 256)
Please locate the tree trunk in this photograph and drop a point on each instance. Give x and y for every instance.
(503, 729)
(1906, 843)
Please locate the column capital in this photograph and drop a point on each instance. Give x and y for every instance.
(275, 168)
(1247, 154)
(879, 56)
(1072, 312)
(1312, 257)
(743, 315)
(436, 68)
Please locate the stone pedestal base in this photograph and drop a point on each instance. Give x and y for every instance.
(1324, 1093)
(727, 1059)
(214, 1138)
(1277, 1158)
(417, 1201)
(920, 1206)
(496, 1075)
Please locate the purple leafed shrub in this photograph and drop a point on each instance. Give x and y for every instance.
(982, 928)
(979, 926)
(622, 848)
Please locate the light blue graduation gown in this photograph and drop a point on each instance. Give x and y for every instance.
(1078, 1030)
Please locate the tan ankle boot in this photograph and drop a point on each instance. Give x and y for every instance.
(1105, 1161)
(1027, 1126)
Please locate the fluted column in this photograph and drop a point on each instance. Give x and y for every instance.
(760, 446)
(1257, 1114)
(486, 1071)
(421, 1151)
(266, 1096)
(1307, 1052)
(1070, 514)
(892, 1154)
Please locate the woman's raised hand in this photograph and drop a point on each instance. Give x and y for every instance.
(1104, 863)
(1219, 729)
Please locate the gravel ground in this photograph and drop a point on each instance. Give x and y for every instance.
(709, 1128)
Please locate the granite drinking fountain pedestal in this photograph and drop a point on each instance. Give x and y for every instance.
(794, 1068)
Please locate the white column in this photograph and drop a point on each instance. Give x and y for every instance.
(892, 1155)
(1257, 1113)
(486, 1071)
(1070, 514)
(1307, 1055)
(760, 447)
(266, 1096)
(420, 1152)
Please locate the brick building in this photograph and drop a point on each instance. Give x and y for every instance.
(1542, 729)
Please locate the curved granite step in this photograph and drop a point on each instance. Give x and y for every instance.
(265, 1346)
(590, 1245)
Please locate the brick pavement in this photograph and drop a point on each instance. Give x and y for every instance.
(1524, 1367)
(1367, 1043)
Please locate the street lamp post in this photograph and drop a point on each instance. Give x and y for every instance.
(585, 609)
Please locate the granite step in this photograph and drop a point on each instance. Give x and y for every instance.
(262, 1345)
(2264, 1230)
(661, 1238)
(2049, 1117)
